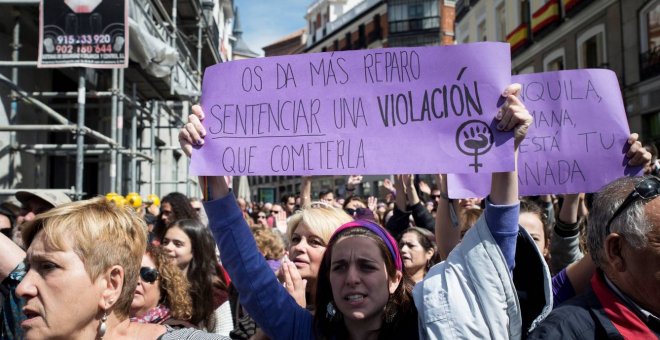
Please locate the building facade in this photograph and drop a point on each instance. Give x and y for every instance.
(549, 35)
(130, 116)
(341, 25)
(294, 43)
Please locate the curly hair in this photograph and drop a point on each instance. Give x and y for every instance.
(181, 210)
(174, 287)
(270, 244)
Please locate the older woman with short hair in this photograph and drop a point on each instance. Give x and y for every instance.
(84, 263)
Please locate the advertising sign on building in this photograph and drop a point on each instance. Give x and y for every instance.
(83, 33)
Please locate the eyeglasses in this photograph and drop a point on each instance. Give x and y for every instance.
(646, 189)
(149, 275)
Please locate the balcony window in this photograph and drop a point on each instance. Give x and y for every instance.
(649, 19)
(591, 48)
(420, 15)
(554, 61)
(500, 22)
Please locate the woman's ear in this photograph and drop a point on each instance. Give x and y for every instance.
(111, 283)
(394, 282)
(429, 254)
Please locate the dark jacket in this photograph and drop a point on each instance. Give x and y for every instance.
(582, 317)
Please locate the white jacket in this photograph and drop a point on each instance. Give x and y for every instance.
(471, 295)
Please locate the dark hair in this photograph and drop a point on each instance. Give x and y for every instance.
(528, 206)
(353, 198)
(181, 210)
(285, 198)
(427, 241)
(399, 311)
(203, 270)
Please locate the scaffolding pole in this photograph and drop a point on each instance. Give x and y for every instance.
(154, 111)
(133, 171)
(113, 132)
(141, 113)
(14, 97)
(120, 134)
(80, 137)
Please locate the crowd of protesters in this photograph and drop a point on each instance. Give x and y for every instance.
(410, 263)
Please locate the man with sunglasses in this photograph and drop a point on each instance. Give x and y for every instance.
(624, 241)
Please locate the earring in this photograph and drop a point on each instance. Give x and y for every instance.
(390, 310)
(331, 313)
(103, 327)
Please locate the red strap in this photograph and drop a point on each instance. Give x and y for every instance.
(625, 321)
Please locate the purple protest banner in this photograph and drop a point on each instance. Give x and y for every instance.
(398, 110)
(577, 142)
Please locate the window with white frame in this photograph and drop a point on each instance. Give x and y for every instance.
(462, 32)
(649, 30)
(481, 31)
(554, 61)
(500, 22)
(526, 70)
(591, 48)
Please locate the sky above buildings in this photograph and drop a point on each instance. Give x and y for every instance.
(264, 22)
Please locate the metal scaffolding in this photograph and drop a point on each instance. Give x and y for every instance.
(182, 25)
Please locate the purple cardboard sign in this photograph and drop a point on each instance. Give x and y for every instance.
(577, 142)
(397, 110)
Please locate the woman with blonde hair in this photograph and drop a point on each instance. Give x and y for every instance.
(162, 293)
(309, 231)
(84, 262)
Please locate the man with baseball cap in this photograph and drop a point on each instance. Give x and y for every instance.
(38, 201)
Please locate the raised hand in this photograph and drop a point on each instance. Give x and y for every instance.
(423, 187)
(387, 184)
(637, 155)
(280, 222)
(193, 133)
(372, 203)
(293, 282)
(353, 181)
(514, 115)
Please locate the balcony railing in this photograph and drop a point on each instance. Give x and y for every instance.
(649, 62)
(412, 25)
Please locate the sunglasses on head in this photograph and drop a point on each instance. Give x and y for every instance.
(149, 275)
(646, 189)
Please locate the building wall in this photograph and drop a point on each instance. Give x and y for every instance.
(347, 36)
(619, 25)
(57, 170)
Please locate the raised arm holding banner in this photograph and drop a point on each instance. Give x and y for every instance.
(397, 110)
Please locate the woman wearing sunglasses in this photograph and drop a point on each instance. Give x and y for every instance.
(161, 295)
